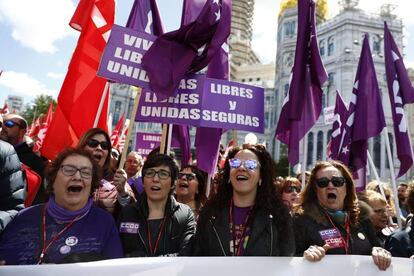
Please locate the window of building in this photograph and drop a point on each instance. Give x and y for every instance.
(377, 151)
(376, 43)
(309, 161)
(322, 45)
(331, 45)
(319, 146)
(289, 28)
(286, 89)
(118, 106)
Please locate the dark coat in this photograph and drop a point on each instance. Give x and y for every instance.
(12, 184)
(307, 226)
(176, 236)
(213, 238)
(401, 243)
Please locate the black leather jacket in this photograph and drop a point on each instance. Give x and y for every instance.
(176, 236)
(213, 239)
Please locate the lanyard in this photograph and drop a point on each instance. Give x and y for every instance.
(158, 236)
(45, 246)
(346, 242)
(232, 230)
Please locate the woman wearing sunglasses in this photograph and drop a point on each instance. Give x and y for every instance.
(68, 228)
(110, 195)
(157, 225)
(246, 217)
(191, 188)
(289, 189)
(328, 222)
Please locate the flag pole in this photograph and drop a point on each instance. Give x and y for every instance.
(305, 154)
(374, 169)
(234, 137)
(101, 103)
(164, 137)
(394, 185)
(130, 127)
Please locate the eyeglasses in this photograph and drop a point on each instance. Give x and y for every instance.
(10, 124)
(70, 170)
(188, 176)
(162, 174)
(249, 164)
(94, 144)
(337, 181)
(291, 189)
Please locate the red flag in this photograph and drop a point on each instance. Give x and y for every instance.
(43, 129)
(5, 110)
(117, 132)
(123, 135)
(34, 130)
(82, 91)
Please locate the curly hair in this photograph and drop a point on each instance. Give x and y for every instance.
(88, 135)
(266, 198)
(410, 197)
(309, 199)
(54, 167)
(286, 182)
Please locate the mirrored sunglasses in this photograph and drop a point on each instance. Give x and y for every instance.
(94, 144)
(337, 181)
(249, 164)
(10, 124)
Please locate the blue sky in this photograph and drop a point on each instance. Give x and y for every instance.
(36, 42)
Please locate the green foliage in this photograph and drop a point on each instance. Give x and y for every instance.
(282, 168)
(38, 107)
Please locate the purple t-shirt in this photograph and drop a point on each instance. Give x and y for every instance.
(94, 233)
(239, 220)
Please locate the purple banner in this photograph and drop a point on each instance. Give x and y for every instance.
(146, 142)
(199, 101)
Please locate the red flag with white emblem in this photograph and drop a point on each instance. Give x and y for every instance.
(117, 132)
(43, 129)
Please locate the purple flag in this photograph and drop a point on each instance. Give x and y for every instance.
(340, 113)
(144, 16)
(401, 92)
(188, 49)
(303, 104)
(365, 117)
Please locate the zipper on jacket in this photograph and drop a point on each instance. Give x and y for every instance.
(142, 240)
(217, 235)
(271, 234)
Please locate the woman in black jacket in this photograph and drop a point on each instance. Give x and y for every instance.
(246, 217)
(157, 225)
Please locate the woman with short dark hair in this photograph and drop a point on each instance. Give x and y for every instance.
(157, 224)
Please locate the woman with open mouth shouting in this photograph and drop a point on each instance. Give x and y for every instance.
(327, 220)
(110, 195)
(246, 217)
(157, 225)
(69, 227)
(191, 188)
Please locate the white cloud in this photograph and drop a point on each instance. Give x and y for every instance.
(55, 75)
(38, 24)
(25, 84)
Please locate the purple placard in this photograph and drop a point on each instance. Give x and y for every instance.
(146, 142)
(122, 57)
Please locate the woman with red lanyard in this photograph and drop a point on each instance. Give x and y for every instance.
(246, 217)
(157, 225)
(327, 220)
(69, 227)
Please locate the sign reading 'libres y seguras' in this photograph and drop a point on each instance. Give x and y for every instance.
(199, 101)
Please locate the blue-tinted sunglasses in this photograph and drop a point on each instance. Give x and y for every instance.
(249, 164)
(10, 124)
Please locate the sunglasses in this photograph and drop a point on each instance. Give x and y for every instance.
(94, 144)
(10, 124)
(188, 176)
(337, 181)
(162, 174)
(291, 189)
(249, 164)
(70, 170)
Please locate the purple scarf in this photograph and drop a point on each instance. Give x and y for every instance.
(62, 215)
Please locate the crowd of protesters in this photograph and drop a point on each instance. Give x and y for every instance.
(83, 207)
